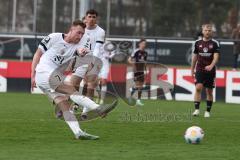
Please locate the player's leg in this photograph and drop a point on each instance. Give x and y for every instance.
(197, 98)
(75, 81)
(76, 97)
(209, 93)
(134, 88)
(89, 72)
(198, 91)
(91, 84)
(69, 117)
(209, 85)
(103, 76)
(79, 72)
(103, 80)
(44, 80)
(84, 88)
(103, 87)
(138, 78)
(90, 108)
(139, 86)
(58, 110)
(92, 76)
(56, 82)
(71, 120)
(91, 88)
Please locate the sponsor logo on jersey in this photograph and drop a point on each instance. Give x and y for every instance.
(205, 54)
(205, 49)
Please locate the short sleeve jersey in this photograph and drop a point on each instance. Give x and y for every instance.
(97, 35)
(57, 52)
(140, 58)
(205, 51)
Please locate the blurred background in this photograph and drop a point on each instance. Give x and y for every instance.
(170, 27)
(152, 18)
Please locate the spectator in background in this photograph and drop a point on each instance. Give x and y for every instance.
(236, 47)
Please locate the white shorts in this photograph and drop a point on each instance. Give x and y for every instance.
(87, 65)
(81, 71)
(105, 69)
(48, 82)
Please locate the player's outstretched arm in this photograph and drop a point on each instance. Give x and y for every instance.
(35, 61)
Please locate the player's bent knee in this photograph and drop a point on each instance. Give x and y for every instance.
(199, 87)
(198, 90)
(60, 99)
(75, 81)
(139, 84)
(103, 82)
(209, 92)
(92, 84)
(91, 78)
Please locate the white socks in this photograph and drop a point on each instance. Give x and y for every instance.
(103, 92)
(83, 101)
(81, 87)
(72, 122)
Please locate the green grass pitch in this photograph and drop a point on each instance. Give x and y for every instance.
(29, 131)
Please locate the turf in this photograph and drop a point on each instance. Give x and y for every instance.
(29, 131)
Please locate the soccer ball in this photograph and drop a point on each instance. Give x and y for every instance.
(194, 135)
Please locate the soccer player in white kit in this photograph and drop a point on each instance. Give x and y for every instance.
(97, 36)
(105, 56)
(51, 59)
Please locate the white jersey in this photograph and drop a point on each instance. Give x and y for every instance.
(97, 36)
(105, 69)
(106, 55)
(57, 52)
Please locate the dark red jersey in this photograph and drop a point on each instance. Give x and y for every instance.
(140, 58)
(205, 51)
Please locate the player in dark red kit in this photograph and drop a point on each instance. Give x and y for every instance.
(138, 59)
(205, 56)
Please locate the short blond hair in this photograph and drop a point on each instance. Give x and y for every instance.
(207, 25)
